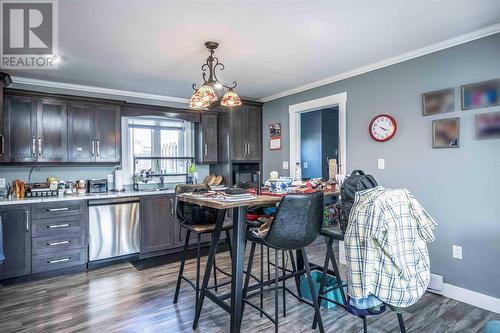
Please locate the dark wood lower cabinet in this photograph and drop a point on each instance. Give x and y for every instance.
(16, 227)
(157, 223)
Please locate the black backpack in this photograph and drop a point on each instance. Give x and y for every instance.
(357, 181)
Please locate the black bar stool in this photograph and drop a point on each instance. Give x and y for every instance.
(296, 225)
(190, 218)
(331, 235)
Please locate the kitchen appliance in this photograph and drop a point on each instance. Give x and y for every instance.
(97, 185)
(246, 174)
(36, 190)
(114, 228)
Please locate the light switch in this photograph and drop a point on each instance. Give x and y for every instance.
(381, 164)
(285, 165)
(305, 165)
(457, 252)
(2, 183)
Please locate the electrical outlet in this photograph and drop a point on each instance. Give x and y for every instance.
(285, 165)
(305, 165)
(381, 164)
(457, 252)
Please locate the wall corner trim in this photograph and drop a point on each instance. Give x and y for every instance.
(465, 38)
(473, 298)
(92, 89)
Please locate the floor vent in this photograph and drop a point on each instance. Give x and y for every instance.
(436, 284)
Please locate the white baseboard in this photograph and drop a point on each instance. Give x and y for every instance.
(473, 298)
(459, 294)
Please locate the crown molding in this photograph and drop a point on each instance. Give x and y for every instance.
(92, 89)
(468, 37)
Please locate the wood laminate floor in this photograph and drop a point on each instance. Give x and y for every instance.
(120, 298)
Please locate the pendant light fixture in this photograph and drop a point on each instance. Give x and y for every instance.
(205, 95)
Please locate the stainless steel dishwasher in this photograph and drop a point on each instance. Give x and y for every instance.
(114, 227)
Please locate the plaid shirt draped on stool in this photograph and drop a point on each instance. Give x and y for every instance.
(385, 245)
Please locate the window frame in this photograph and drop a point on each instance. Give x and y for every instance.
(186, 143)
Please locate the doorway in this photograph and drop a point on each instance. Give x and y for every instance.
(337, 102)
(319, 141)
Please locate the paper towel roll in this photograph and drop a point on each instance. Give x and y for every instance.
(118, 180)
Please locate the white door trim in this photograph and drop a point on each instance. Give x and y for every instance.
(295, 110)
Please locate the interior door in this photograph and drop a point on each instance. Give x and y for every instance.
(239, 134)
(254, 134)
(52, 128)
(107, 125)
(81, 137)
(20, 118)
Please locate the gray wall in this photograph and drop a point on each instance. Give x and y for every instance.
(460, 187)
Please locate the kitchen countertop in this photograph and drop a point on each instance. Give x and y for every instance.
(86, 196)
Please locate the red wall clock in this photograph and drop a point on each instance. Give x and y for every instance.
(383, 127)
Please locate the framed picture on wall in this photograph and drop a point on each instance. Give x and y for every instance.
(439, 101)
(488, 126)
(481, 95)
(275, 136)
(446, 133)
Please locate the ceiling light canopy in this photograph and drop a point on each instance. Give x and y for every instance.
(205, 95)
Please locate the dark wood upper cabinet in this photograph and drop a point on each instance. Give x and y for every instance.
(81, 138)
(246, 136)
(16, 225)
(239, 128)
(206, 139)
(4, 154)
(157, 223)
(44, 128)
(52, 133)
(20, 128)
(254, 135)
(107, 133)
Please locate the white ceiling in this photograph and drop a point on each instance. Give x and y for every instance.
(269, 47)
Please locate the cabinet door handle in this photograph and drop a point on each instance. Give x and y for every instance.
(3, 145)
(98, 148)
(27, 220)
(57, 209)
(56, 261)
(172, 206)
(34, 147)
(93, 147)
(39, 146)
(244, 147)
(206, 150)
(248, 148)
(58, 243)
(53, 226)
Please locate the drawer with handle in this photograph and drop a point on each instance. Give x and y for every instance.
(57, 209)
(57, 243)
(59, 260)
(59, 225)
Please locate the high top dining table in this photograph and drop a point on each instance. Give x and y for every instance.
(238, 252)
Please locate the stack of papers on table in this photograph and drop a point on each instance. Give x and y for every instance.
(235, 197)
